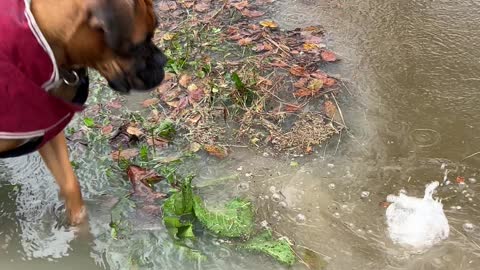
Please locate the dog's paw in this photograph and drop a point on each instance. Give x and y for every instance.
(77, 216)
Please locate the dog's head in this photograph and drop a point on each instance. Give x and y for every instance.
(115, 38)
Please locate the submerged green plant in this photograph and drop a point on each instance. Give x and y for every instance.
(278, 249)
(234, 220)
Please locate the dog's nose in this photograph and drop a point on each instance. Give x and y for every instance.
(160, 59)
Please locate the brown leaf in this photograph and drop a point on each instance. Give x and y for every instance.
(140, 179)
(173, 103)
(167, 5)
(328, 56)
(188, 4)
(298, 71)
(134, 131)
(114, 104)
(106, 130)
(330, 109)
(216, 151)
(305, 92)
(183, 103)
(252, 13)
(202, 7)
(241, 5)
(196, 96)
(244, 41)
(150, 102)
(185, 80)
(279, 63)
(165, 87)
(265, 81)
(301, 83)
(158, 142)
(269, 24)
(309, 150)
(319, 75)
(195, 147)
(263, 2)
(292, 107)
(329, 82)
(193, 120)
(124, 154)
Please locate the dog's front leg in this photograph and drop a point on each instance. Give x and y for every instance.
(55, 155)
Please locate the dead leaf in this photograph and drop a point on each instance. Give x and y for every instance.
(310, 46)
(165, 87)
(173, 103)
(305, 92)
(319, 75)
(329, 82)
(328, 56)
(216, 151)
(265, 81)
(168, 36)
(188, 4)
(244, 41)
(193, 120)
(183, 103)
(315, 84)
(192, 87)
(185, 80)
(460, 179)
(167, 5)
(114, 104)
(298, 71)
(134, 131)
(292, 108)
(195, 147)
(106, 130)
(263, 2)
(140, 179)
(330, 109)
(269, 24)
(124, 154)
(202, 7)
(240, 5)
(196, 96)
(150, 102)
(157, 141)
(252, 13)
(301, 83)
(309, 150)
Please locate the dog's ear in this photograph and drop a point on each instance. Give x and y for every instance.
(115, 19)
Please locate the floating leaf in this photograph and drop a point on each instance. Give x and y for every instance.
(269, 24)
(305, 92)
(234, 220)
(216, 151)
(329, 82)
(330, 109)
(328, 56)
(280, 250)
(138, 175)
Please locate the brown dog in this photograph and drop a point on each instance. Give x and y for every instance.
(110, 36)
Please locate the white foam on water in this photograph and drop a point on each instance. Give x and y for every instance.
(417, 223)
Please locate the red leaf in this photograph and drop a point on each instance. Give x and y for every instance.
(252, 13)
(216, 151)
(106, 130)
(328, 56)
(305, 92)
(279, 63)
(240, 5)
(185, 80)
(292, 107)
(167, 5)
(114, 104)
(301, 83)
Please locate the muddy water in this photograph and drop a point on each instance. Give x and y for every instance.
(411, 105)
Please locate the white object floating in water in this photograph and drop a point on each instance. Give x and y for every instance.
(415, 222)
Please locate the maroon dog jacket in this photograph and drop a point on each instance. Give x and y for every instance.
(27, 72)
